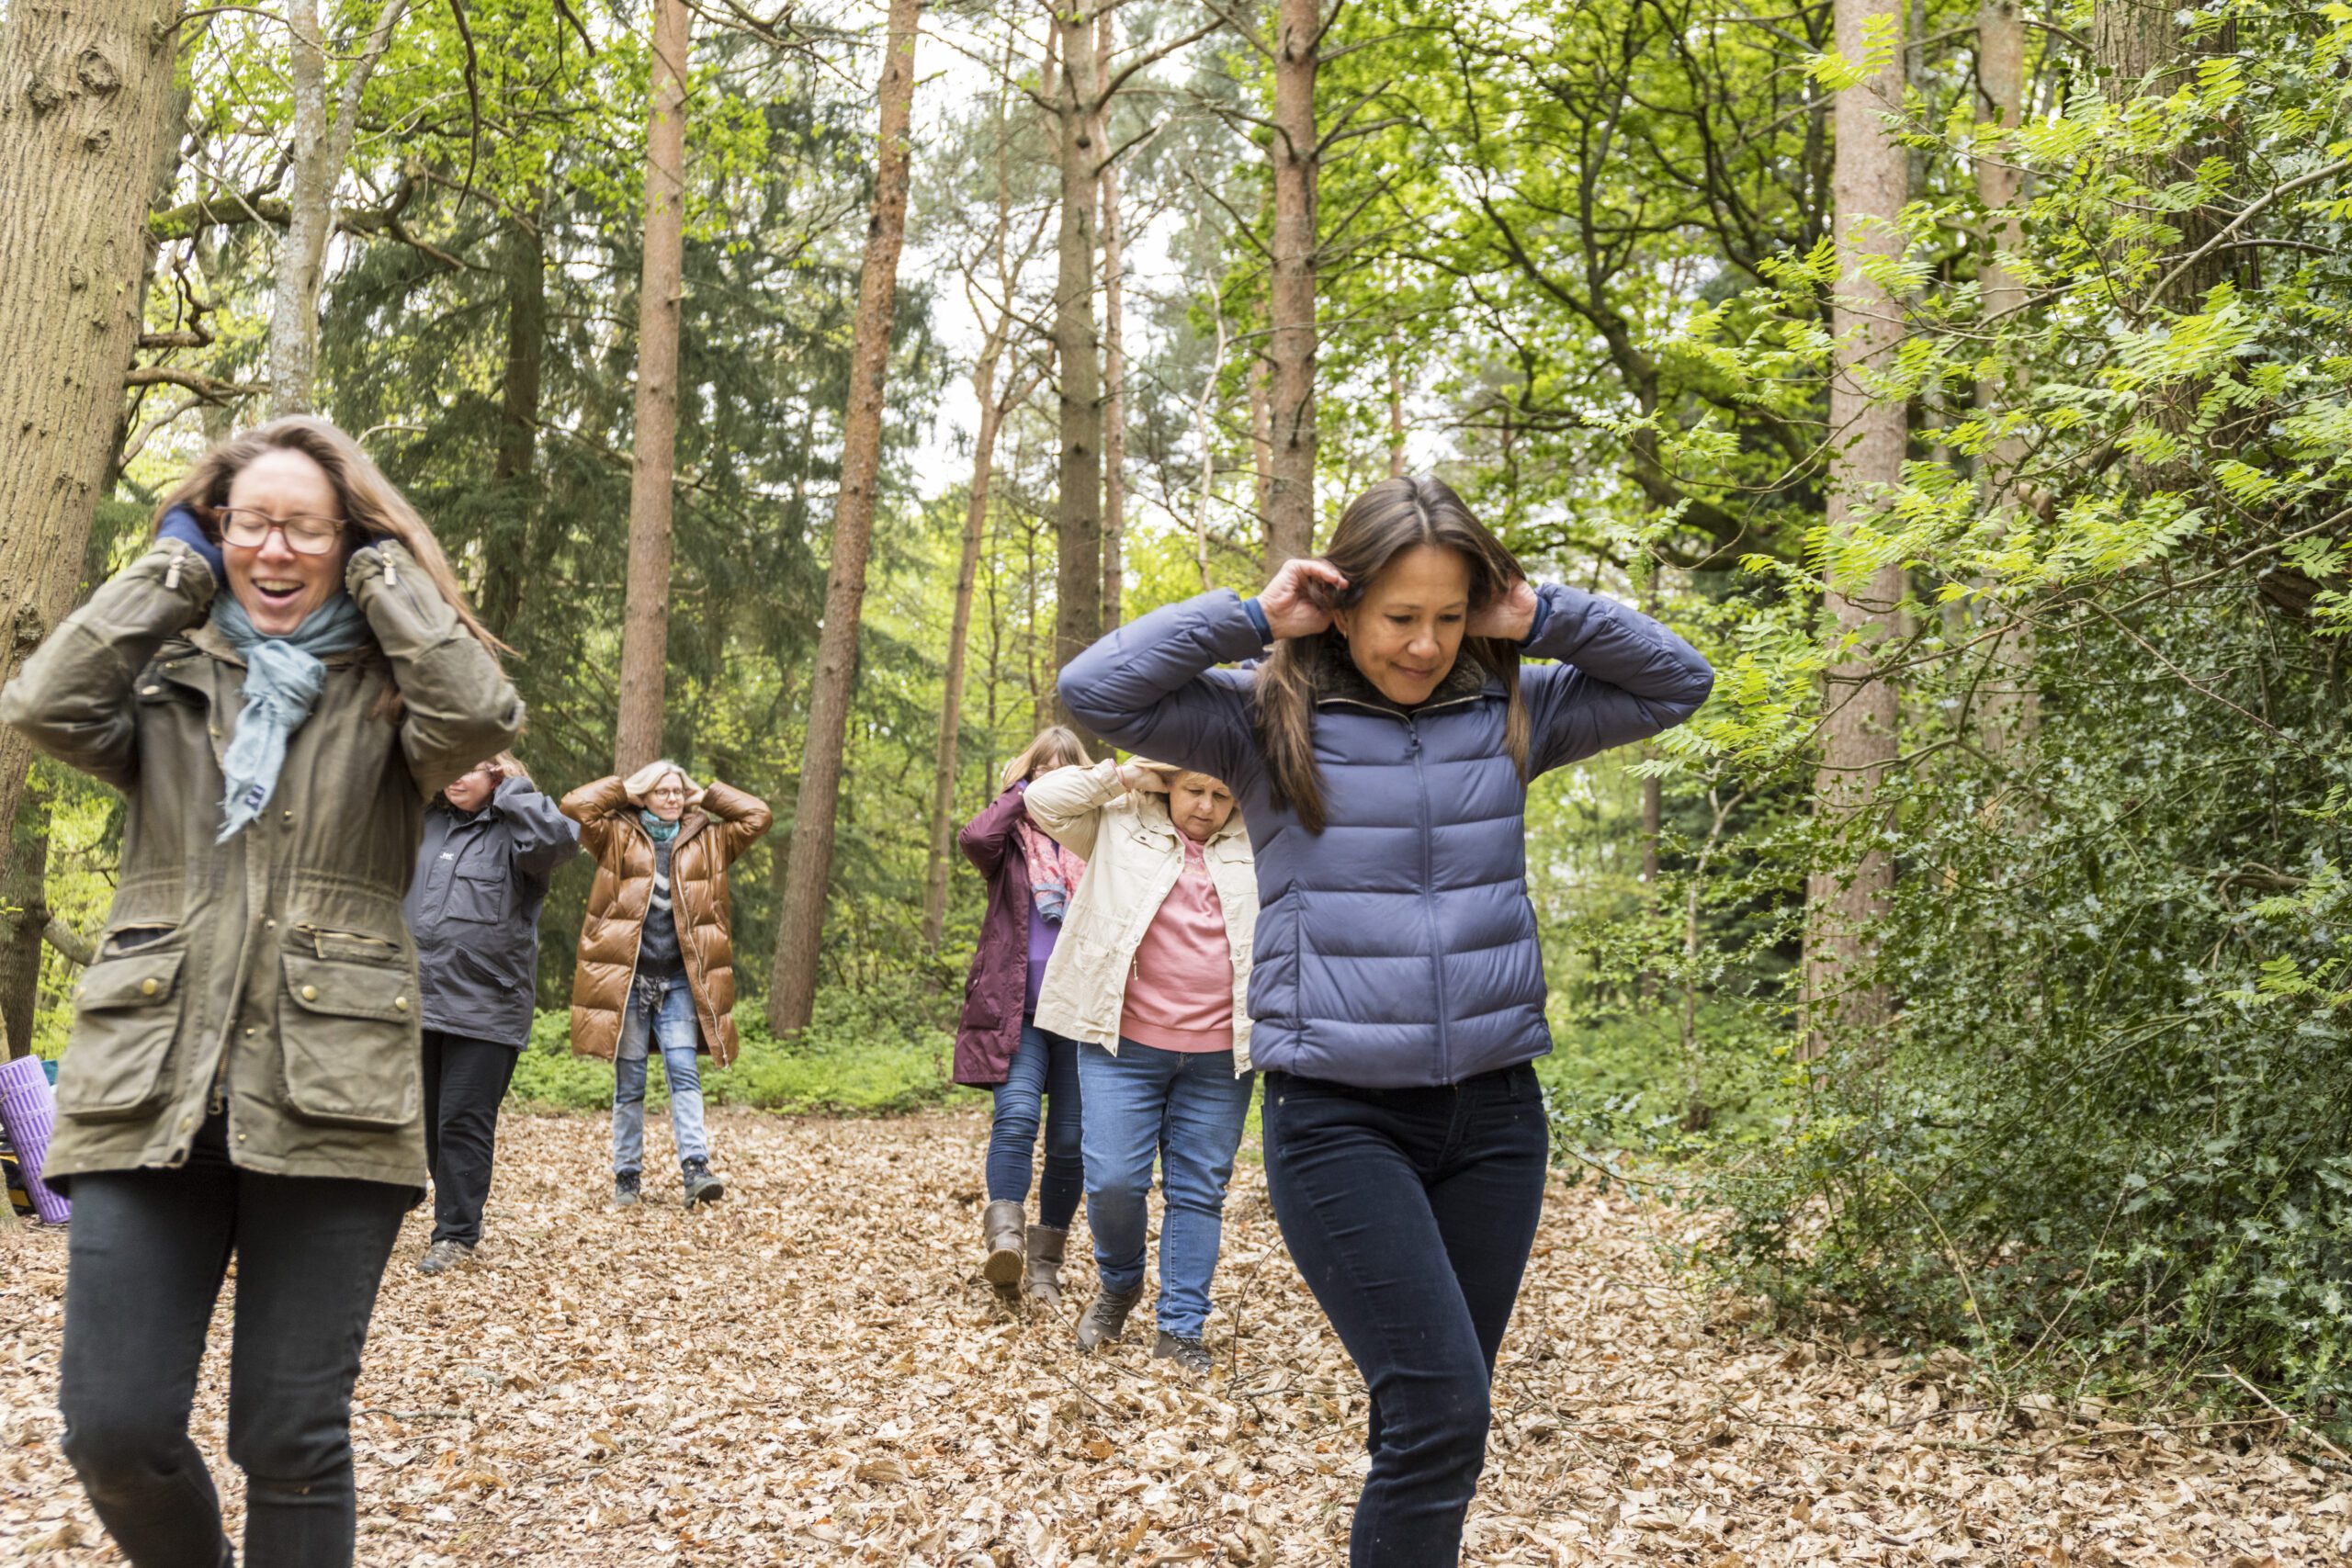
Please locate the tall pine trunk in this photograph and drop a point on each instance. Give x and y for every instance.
(83, 94)
(1290, 504)
(1078, 614)
(959, 634)
(511, 474)
(2011, 708)
(645, 615)
(1858, 730)
(800, 927)
(1115, 354)
(318, 145)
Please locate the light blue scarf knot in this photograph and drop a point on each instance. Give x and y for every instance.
(284, 676)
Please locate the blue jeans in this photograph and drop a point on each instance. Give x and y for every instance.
(662, 1006)
(1043, 1073)
(1411, 1214)
(1188, 1108)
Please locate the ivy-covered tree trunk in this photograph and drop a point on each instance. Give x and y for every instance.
(1867, 433)
(1078, 613)
(1290, 501)
(84, 90)
(800, 924)
(645, 615)
(318, 145)
(24, 916)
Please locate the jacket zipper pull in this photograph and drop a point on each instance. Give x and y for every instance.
(391, 573)
(171, 573)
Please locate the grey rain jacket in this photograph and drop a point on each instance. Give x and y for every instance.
(1399, 947)
(474, 909)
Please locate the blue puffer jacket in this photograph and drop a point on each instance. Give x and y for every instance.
(1399, 947)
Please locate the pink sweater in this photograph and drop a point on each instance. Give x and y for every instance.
(1179, 994)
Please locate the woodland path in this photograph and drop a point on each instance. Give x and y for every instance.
(813, 1372)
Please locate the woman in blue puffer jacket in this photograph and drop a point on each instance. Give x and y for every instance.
(1381, 756)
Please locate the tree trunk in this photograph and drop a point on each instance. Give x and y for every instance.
(1858, 729)
(1261, 460)
(1115, 357)
(84, 90)
(1204, 428)
(24, 916)
(319, 146)
(1396, 412)
(514, 551)
(2010, 709)
(1290, 506)
(800, 928)
(645, 616)
(1078, 619)
(960, 632)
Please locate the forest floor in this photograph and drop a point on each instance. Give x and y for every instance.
(812, 1371)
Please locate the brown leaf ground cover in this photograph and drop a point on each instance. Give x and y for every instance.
(813, 1372)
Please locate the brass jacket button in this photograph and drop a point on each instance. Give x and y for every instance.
(310, 993)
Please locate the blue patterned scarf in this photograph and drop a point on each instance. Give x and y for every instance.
(660, 832)
(283, 678)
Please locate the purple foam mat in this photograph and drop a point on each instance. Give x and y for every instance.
(28, 1111)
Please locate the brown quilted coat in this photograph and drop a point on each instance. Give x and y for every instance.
(726, 823)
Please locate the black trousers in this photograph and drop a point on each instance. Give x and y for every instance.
(1411, 1213)
(464, 1081)
(146, 1255)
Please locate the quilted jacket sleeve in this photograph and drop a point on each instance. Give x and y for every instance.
(1153, 687)
(1621, 677)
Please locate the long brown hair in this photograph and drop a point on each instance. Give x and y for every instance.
(1393, 516)
(1057, 746)
(371, 505)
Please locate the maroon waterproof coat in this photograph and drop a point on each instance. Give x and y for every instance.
(997, 991)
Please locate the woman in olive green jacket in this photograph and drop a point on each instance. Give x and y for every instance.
(278, 687)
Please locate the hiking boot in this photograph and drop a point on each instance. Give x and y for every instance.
(444, 1256)
(1107, 1317)
(1044, 1274)
(1190, 1355)
(625, 1193)
(701, 1186)
(1000, 1233)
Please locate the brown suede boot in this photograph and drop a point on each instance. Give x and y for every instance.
(1045, 1264)
(1001, 1229)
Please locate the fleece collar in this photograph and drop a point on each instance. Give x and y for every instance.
(1337, 680)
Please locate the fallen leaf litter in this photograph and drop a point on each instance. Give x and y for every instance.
(813, 1372)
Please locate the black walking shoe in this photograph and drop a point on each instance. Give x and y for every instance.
(1189, 1354)
(625, 1193)
(444, 1256)
(701, 1186)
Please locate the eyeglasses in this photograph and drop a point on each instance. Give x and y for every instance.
(249, 529)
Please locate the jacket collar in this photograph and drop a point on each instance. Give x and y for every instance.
(1338, 681)
(209, 642)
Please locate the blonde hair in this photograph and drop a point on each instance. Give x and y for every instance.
(640, 784)
(1055, 746)
(371, 504)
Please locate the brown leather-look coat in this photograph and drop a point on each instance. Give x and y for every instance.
(710, 836)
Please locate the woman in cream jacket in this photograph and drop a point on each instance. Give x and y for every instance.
(1150, 976)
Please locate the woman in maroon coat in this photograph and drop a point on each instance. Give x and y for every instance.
(1029, 881)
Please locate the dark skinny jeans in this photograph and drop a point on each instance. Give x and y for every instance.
(146, 1255)
(1411, 1213)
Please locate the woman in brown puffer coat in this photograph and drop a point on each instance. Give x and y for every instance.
(657, 951)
